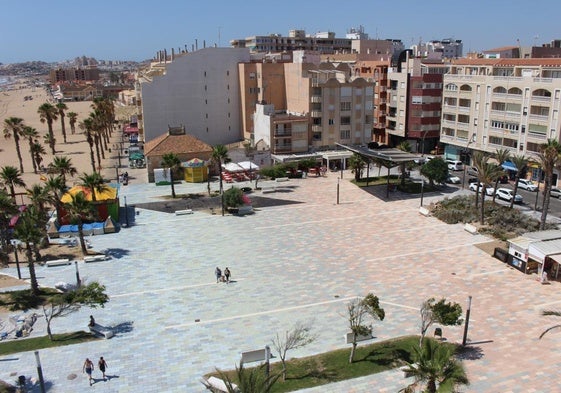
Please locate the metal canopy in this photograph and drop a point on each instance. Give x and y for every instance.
(388, 157)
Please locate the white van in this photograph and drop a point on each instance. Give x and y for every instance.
(455, 165)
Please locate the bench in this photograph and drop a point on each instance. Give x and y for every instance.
(95, 258)
(217, 385)
(183, 212)
(470, 228)
(58, 262)
(243, 210)
(102, 331)
(268, 189)
(359, 337)
(281, 179)
(424, 211)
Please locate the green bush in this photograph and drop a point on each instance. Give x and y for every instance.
(233, 197)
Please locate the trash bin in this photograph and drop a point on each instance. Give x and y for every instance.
(438, 332)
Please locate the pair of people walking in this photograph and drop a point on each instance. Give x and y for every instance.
(220, 277)
(88, 368)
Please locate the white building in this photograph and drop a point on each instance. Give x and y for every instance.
(197, 90)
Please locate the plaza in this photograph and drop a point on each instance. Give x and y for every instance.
(302, 260)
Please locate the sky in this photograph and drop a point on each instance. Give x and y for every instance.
(61, 30)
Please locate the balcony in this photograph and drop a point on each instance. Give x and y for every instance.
(283, 147)
(317, 128)
(316, 99)
(283, 134)
(316, 113)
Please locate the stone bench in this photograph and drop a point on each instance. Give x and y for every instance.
(243, 210)
(470, 228)
(281, 179)
(58, 262)
(95, 258)
(268, 189)
(102, 331)
(183, 212)
(359, 337)
(218, 385)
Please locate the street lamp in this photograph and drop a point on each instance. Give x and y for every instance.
(468, 311)
(15, 243)
(472, 139)
(77, 275)
(126, 211)
(422, 190)
(40, 372)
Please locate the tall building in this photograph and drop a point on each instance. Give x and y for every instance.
(199, 90)
(447, 48)
(491, 104)
(88, 74)
(414, 103)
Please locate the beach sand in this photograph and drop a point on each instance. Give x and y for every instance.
(12, 104)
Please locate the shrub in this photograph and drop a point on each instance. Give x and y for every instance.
(233, 197)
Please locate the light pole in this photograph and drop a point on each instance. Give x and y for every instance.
(422, 190)
(126, 212)
(337, 191)
(77, 275)
(472, 139)
(466, 325)
(15, 244)
(117, 173)
(40, 372)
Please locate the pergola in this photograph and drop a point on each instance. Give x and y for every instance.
(388, 158)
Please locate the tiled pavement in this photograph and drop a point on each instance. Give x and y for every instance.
(298, 262)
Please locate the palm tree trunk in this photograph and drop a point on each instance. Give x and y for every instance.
(221, 187)
(16, 140)
(172, 184)
(96, 140)
(515, 189)
(546, 196)
(51, 136)
(63, 128)
(82, 240)
(32, 157)
(495, 194)
(31, 265)
(483, 192)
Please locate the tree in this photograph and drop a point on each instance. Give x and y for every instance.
(299, 336)
(30, 229)
(502, 156)
(31, 134)
(406, 147)
(48, 114)
(487, 173)
(10, 177)
(446, 314)
(251, 380)
(520, 162)
(358, 310)
(550, 313)
(61, 305)
(233, 197)
(61, 107)
(8, 209)
(479, 160)
(78, 210)
(436, 170)
(38, 151)
(39, 196)
(56, 188)
(13, 127)
(87, 125)
(173, 163)
(72, 119)
(434, 364)
(219, 156)
(62, 166)
(549, 157)
(357, 164)
(95, 183)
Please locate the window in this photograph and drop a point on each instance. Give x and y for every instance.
(345, 134)
(316, 121)
(417, 100)
(330, 122)
(401, 98)
(345, 106)
(345, 120)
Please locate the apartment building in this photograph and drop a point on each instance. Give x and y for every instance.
(281, 132)
(74, 75)
(323, 42)
(199, 90)
(447, 48)
(414, 103)
(491, 104)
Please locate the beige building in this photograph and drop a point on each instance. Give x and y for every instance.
(491, 104)
(281, 132)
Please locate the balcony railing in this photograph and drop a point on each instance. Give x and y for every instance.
(316, 128)
(316, 99)
(282, 134)
(316, 113)
(283, 147)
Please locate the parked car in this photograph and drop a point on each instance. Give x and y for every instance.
(555, 192)
(453, 179)
(507, 195)
(527, 185)
(488, 191)
(472, 171)
(454, 165)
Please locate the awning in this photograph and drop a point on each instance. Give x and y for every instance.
(509, 166)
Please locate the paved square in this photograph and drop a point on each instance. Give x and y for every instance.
(296, 262)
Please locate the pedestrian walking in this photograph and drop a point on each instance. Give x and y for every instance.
(102, 364)
(88, 369)
(227, 275)
(218, 274)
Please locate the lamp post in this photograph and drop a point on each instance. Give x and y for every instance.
(472, 139)
(337, 191)
(422, 190)
(126, 212)
(466, 325)
(15, 244)
(77, 275)
(40, 372)
(117, 173)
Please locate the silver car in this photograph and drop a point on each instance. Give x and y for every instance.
(555, 192)
(507, 194)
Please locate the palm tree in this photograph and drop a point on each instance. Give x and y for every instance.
(434, 364)
(357, 163)
(47, 114)
(31, 134)
(520, 162)
(220, 156)
(49, 140)
(13, 127)
(10, 176)
(8, 209)
(406, 147)
(553, 313)
(61, 107)
(502, 156)
(94, 182)
(38, 151)
(78, 210)
(253, 380)
(480, 159)
(86, 125)
(39, 196)
(30, 229)
(173, 163)
(549, 157)
(72, 119)
(63, 166)
(487, 174)
(56, 188)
